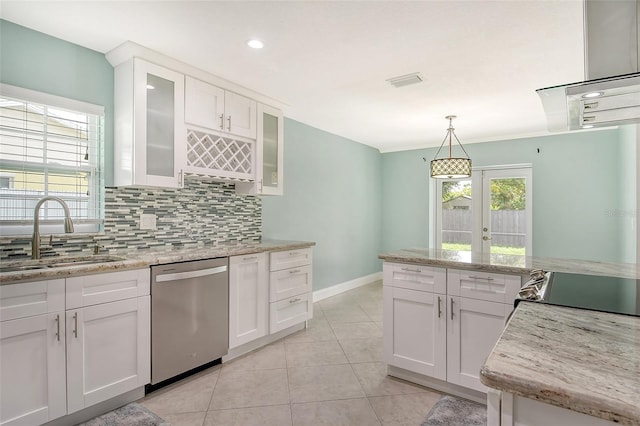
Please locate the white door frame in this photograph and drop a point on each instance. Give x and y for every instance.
(477, 178)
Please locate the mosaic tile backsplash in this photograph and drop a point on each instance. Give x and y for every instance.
(201, 213)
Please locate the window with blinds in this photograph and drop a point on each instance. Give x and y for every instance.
(49, 150)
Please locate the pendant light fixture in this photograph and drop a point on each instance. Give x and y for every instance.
(450, 167)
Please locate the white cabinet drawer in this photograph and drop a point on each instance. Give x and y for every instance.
(483, 286)
(31, 298)
(290, 311)
(108, 287)
(415, 277)
(290, 282)
(289, 259)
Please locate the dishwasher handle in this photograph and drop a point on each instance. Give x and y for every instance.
(190, 274)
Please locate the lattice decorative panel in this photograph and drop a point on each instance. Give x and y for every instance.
(219, 156)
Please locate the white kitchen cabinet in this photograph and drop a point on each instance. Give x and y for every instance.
(269, 177)
(108, 351)
(474, 328)
(218, 109)
(290, 311)
(508, 409)
(32, 352)
(443, 323)
(415, 331)
(149, 143)
(291, 284)
(55, 362)
(248, 298)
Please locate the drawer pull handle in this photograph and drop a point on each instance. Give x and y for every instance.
(297, 299)
(58, 327)
(480, 278)
(439, 307)
(75, 325)
(452, 309)
(293, 253)
(250, 258)
(412, 270)
(294, 271)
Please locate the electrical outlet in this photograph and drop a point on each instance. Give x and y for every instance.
(148, 221)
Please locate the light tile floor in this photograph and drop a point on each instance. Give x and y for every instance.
(331, 373)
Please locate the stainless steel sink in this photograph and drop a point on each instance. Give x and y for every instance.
(56, 262)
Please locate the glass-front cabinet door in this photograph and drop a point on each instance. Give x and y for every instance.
(269, 155)
(159, 125)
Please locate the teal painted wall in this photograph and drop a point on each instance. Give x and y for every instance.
(37, 61)
(578, 187)
(331, 196)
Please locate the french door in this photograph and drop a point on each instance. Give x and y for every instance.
(489, 213)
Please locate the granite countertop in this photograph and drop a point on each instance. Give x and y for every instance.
(140, 258)
(582, 360)
(509, 264)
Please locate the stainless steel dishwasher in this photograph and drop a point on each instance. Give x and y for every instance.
(189, 316)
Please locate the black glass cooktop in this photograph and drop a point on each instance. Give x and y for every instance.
(609, 294)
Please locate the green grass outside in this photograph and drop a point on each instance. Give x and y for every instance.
(494, 249)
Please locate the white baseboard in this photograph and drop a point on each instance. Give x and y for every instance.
(334, 290)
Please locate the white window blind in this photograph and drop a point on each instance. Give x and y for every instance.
(49, 150)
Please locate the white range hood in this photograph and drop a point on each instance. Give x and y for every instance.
(611, 95)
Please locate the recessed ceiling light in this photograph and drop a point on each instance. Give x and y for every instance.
(255, 44)
(593, 95)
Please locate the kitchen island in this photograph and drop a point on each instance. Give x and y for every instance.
(558, 365)
(508, 264)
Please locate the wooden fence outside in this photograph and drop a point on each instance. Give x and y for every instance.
(508, 227)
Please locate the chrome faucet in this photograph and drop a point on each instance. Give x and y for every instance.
(35, 240)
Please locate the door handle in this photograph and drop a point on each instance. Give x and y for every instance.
(75, 325)
(439, 307)
(452, 309)
(486, 238)
(58, 327)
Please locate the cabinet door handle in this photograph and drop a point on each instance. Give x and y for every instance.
(439, 307)
(412, 270)
(452, 309)
(75, 325)
(181, 179)
(294, 271)
(221, 121)
(260, 186)
(480, 278)
(297, 299)
(229, 121)
(58, 327)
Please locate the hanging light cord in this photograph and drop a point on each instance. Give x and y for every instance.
(450, 131)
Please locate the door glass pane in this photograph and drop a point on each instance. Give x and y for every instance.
(270, 151)
(160, 126)
(508, 225)
(457, 215)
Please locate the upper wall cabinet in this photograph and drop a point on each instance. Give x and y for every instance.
(149, 125)
(217, 109)
(269, 155)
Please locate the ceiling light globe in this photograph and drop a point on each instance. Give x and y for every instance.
(255, 44)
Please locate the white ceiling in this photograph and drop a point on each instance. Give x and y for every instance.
(328, 61)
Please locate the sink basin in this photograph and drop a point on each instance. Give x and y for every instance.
(14, 268)
(56, 262)
(82, 260)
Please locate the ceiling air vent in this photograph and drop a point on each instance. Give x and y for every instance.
(405, 80)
